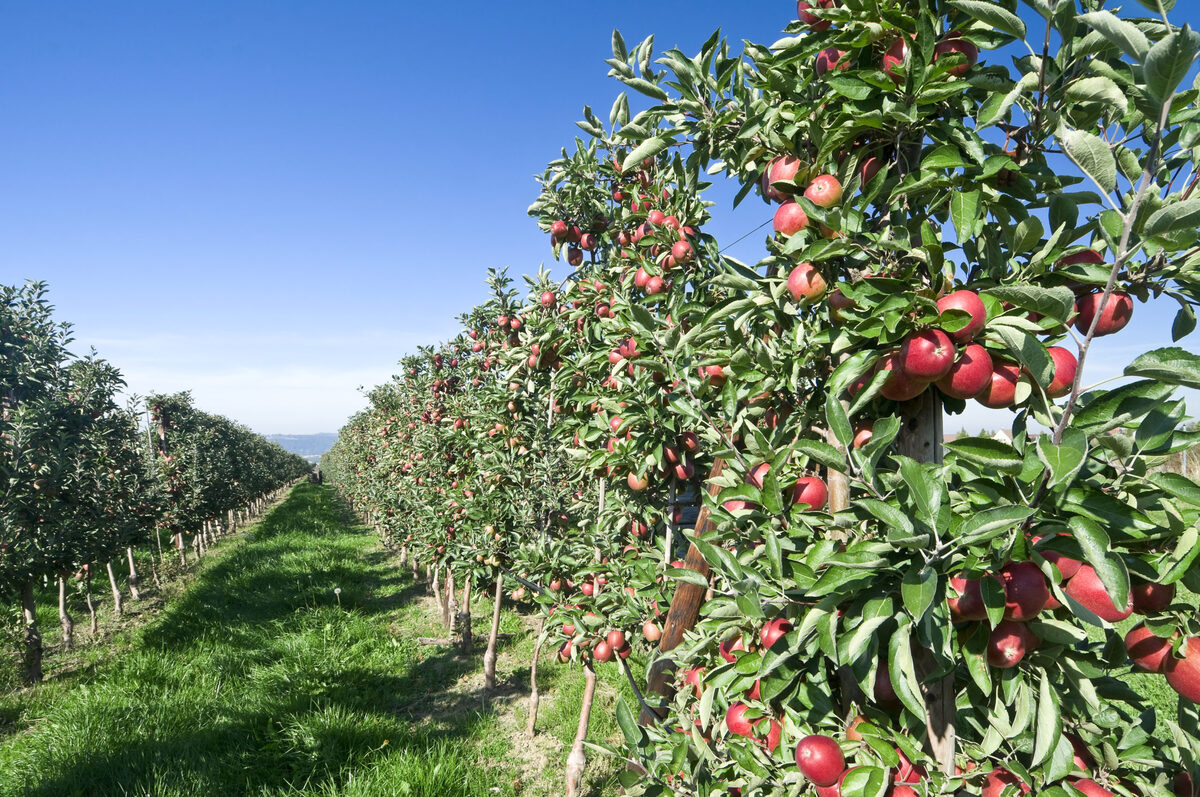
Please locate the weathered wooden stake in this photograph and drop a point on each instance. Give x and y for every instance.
(577, 761)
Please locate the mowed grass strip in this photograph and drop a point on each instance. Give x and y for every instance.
(261, 678)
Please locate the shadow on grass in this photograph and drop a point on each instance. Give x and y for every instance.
(325, 724)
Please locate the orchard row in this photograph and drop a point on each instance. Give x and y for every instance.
(733, 476)
(88, 480)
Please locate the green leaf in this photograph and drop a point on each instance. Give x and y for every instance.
(1180, 561)
(1104, 410)
(890, 516)
(1126, 36)
(917, 589)
(1049, 721)
(1028, 234)
(1178, 485)
(1185, 321)
(647, 149)
(1098, 89)
(927, 490)
(993, 14)
(628, 724)
(946, 156)
(1171, 365)
(850, 87)
(821, 452)
(1109, 566)
(989, 452)
(1092, 155)
(838, 420)
(645, 87)
(1168, 62)
(1063, 461)
(1056, 303)
(982, 526)
(964, 210)
(1184, 215)
(903, 672)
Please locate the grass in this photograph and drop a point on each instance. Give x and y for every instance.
(259, 679)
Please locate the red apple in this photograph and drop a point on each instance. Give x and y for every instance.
(615, 639)
(997, 779)
(1008, 644)
(729, 647)
(1113, 317)
(1085, 256)
(969, 302)
(829, 58)
(1184, 674)
(715, 374)
(1091, 788)
(773, 631)
(758, 474)
(894, 57)
(805, 283)
(782, 169)
(790, 219)
(966, 602)
(814, 22)
(970, 374)
(810, 490)
(559, 230)
(574, 256)
(1146, 651)
(820, 759)
(955, 44)
(927, 355)
(736, 722)
(1151, 598)
(1001, 391)
(900, 386)
(548, 299)
(824, 191)
(1085, 586)
(637, 483)
(651, 631)
(1025, 590)
(863, 432)
(1065, 366)
(682, 251)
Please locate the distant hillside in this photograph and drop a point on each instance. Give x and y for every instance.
(309, 446)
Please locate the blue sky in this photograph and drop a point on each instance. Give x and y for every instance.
(270, 202)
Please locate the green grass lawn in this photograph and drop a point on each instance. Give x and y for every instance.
(257, 680)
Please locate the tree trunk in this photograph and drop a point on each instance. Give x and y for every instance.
(118, 605)
(64, 618)
(533, 688)
(33, 639)
(182, 550)
(133, 577)
(451, 601)
(921, 439)
(489, 658)
(93, 623)
(464, 618)
(685, 608)
(437, 594)
(576, 761)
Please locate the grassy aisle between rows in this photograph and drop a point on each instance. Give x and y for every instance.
(263, 678)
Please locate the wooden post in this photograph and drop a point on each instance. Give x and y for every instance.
(118, 607)
(64, 617)
(921, 439)
(685, 608)
(133, 576)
